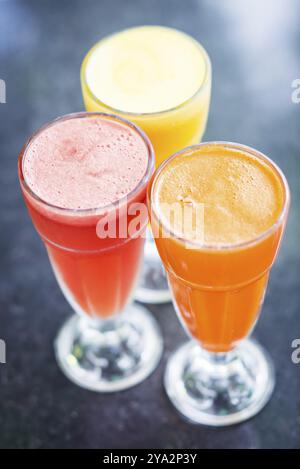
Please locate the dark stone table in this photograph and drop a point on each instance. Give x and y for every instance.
(254, 47)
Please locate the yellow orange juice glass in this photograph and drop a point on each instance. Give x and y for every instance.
(218, 272)
(160, 79)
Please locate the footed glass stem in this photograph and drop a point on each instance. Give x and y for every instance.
(219, 389)
(109, 355)
(152, 286)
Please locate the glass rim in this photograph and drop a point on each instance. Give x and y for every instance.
(112, 109)
(230, 246)
(95, 210)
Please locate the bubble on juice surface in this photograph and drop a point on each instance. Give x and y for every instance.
(77, 163)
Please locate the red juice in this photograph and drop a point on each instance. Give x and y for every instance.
(74, 172)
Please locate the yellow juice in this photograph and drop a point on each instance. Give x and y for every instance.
(157, 77)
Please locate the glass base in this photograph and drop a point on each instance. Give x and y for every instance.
(219, 389)
(110, 355)
(152, 286)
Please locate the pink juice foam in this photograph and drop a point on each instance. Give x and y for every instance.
(84, 163)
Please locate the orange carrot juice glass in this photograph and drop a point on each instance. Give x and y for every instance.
(218, 212)
(160, 79)
(80, 174)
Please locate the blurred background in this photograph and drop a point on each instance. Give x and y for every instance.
(255, 51)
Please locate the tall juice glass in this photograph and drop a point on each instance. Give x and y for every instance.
(79, 174)
(218, 272)
(160, 79)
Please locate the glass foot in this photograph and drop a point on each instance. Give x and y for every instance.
(219, 389)
(110, 355)
(152, 286)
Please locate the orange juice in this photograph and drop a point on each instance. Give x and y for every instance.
(157, 77)
(218, 282)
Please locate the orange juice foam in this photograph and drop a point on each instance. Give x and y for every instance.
(241, 196)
